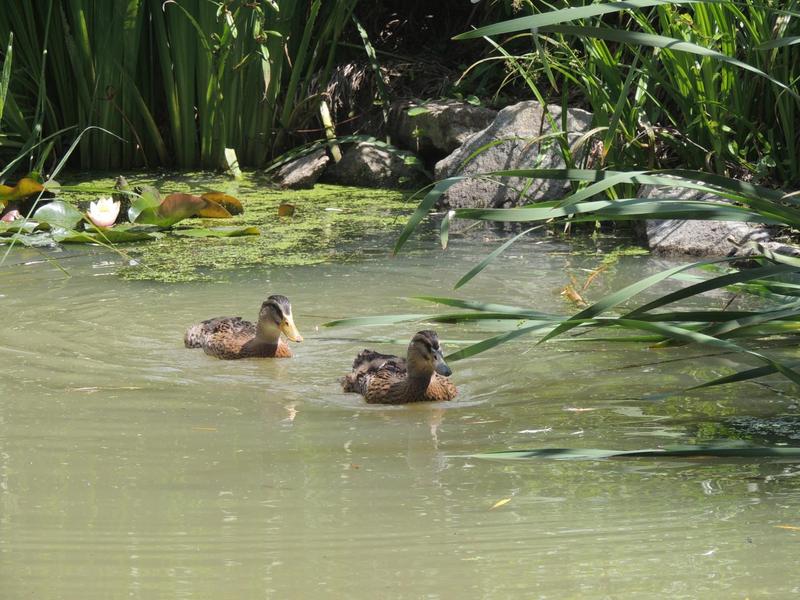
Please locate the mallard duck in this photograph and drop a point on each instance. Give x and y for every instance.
(233, 337)
(387, 379)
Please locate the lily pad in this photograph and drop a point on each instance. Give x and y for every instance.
(229, 203)
(20, 226)
(25, 187)
(212, 210)
(59, 214)
(96, 237)
(150, 209)
(32, 240)
(148, 198)
(286, 210)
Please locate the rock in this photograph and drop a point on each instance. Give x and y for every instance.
(303, 172)
(703, 238)
(516, 132)
(439, 127)
(698, 237)
(375, 164)
(780, 248)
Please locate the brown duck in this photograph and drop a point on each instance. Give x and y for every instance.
(386, 379)
(233, 337)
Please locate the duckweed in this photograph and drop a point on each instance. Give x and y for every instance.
(326, 218)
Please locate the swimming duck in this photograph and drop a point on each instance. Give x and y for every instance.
(233, 337)
(387, 379)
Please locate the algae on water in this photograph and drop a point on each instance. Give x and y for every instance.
(326, 218)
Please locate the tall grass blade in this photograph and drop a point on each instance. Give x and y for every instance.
(490, 258)
(490, 343)
(554, 17)
(5, 75)
(727, 450)
(624, 295)
(673, 44)
(713, 284)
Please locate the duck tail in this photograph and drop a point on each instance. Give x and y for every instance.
(351, 383)
(194, 336)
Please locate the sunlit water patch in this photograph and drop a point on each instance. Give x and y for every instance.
(131, 467)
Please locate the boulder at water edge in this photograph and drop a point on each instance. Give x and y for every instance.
(698, 237)
(520, 137)
(375, 164)
(303, 172)
(436, 127)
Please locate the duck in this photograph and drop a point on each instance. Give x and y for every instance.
(233, 337)
(387, 379)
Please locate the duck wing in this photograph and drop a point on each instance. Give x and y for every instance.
(369, 364)
(199, 335)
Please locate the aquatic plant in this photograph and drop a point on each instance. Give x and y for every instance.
(57, 220)
(709, 76)
(702, 451)
(103, 212)
(704, 84)
(778, 319)
(179, 82)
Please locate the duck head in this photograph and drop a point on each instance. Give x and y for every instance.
(275, 318)
(425, 353)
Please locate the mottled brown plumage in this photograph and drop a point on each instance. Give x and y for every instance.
(233, 337)
(388, 379)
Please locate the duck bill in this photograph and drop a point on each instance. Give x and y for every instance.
(441, 367)
(289, 330)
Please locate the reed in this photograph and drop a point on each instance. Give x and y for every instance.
(179, 81)
(711, 86)
(704, 85)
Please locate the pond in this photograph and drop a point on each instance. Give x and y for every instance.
(131, 467)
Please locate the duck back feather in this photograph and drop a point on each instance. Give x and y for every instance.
(384, 379)
(231, 338)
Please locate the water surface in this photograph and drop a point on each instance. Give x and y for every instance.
(131, 467)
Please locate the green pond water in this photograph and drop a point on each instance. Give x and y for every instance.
(131, 467)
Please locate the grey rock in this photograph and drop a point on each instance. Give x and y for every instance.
(441, 128)
(517, 134)
(304, 171)
(780, 248)
(371, 164)
(699, 237)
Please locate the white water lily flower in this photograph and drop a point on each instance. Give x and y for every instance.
(103, 212)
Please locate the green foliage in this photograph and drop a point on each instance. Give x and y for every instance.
(179, 82)
(59, 214)
(748, 202)
(710, 328)
(5, 75)
(721, 450)
(218, 232)
(704, 83)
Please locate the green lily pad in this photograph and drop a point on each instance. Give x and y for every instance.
(103, 235)
(148, 200)
(59, 214)
(175, 207)
(19, 226)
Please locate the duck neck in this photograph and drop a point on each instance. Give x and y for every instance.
(418, 381)
(267, 335)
